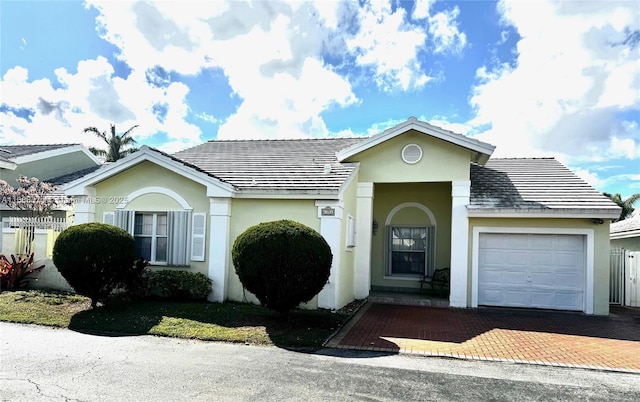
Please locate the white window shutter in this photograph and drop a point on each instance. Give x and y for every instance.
(198, 236)
(108, 218)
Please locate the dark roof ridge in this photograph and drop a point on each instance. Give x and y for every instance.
(189, 165)
(40, 145)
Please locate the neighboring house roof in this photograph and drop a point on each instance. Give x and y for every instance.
(534, 187)
(22, 154)
(5, 162)
(290, 165)
(481, 149)
(629, 227)
(18, 154)
(16, 151)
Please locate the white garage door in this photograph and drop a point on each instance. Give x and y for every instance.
(532, 270)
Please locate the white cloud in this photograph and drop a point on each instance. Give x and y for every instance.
(389, 44)
(458, 128)
(573, 81)
(591, 178)
(445, 34)
(287, 107)
(92, 96)
(269, 51)
(421, 9)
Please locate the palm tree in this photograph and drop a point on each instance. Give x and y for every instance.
(626, 205)
(115, 143)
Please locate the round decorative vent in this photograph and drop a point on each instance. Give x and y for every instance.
(412, 153)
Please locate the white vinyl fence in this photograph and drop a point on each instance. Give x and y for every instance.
(20, 234)
(624, 282)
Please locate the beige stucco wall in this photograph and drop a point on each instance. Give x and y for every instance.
(249, 212)
(601, 249)
(630, 243)
(147, 174)
(436, 197)
(441, 161)
(49, 168)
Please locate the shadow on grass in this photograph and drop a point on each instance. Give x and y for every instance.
(304, 330)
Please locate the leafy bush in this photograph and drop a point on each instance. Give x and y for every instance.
(17, 274)
(178, 285)
(135, 283)
(284, 263)
(94, 258)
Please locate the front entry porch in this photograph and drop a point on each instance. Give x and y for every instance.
(426, 298)
(406, 231)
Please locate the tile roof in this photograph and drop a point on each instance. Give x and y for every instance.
(533, 185)
(258, 165)
(11, 152)
(69, 177)
(626, 226)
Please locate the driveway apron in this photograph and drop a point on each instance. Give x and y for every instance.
(526, 336)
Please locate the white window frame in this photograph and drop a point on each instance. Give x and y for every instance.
(351, 233)
(429, 252)
(154, 235)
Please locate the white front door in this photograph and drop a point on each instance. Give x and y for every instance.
(532, 270)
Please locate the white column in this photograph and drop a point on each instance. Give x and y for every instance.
(364, 220)
(84, 209)
(219, 251)
(460, 191)
(330, 214)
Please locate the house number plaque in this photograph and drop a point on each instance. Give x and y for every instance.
(328, 211)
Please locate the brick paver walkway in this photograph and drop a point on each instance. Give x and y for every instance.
(538, 337)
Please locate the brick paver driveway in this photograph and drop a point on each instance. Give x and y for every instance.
(538, 337)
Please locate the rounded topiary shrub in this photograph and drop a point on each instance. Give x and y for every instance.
(178, 285)
(94, 258)
(284, 263)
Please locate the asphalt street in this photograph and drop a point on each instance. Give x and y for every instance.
(45, 364)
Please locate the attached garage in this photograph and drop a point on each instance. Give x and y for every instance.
(532, 270)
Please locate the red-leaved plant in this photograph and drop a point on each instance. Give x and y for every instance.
(17, 274)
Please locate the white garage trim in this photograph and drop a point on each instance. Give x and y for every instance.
(588, 233)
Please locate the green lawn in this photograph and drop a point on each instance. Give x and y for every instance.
(225, 322)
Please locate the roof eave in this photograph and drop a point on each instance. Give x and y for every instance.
(542, 213)
(287, 194)
(57, 152)
(625, 235)
(8, 165)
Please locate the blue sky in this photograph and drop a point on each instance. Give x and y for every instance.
(537, 78)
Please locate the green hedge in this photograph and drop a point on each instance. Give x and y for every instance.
(177, 285)
(284, 263)
(95, 258)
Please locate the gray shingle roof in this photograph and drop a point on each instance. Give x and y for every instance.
(292, 165)
(626, 226)
(533, 184)
(10, 152)
(69, 177)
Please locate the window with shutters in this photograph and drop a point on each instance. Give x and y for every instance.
(164, 238)
(150, 233)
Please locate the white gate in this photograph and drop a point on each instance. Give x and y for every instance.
(624, 277)
(616, 276)
(632, 279)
